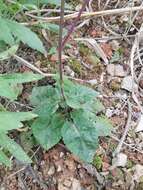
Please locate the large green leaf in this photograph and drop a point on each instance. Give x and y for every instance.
(48, 131)
(8, 83)
(11, 29)
(4, 159)
(78, 95)
(13, 148)
(81, 135)
(12, 120)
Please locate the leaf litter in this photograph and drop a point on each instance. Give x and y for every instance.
(58, 169)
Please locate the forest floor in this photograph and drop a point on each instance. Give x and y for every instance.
(107, 53)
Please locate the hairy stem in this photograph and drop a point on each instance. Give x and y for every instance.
(85, 3)
(60, 49)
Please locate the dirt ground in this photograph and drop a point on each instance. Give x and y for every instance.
(58, 169)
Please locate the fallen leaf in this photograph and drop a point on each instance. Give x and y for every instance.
(107, 48)
(55, 58)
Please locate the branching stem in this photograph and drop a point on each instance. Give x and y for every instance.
(85, 3)
(62, 41)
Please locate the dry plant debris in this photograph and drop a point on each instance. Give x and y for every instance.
(105, 51)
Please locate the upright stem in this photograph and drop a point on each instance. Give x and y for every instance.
(60, 49)
(73, 25)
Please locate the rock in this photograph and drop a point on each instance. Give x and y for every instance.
(140, 125)
(138, 172)
(119, 71)
(69, 71)
(109, 112)
(61, 154)
(51, 170)
(59, 168)
(120, 160)
(127, 83)
(92, 82)
(76, 185)
(110, 69)
(116, 70)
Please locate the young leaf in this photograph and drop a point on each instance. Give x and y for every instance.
(8, 83)
(48, 131)
(4, 159)
(13, 148)
(12, 120)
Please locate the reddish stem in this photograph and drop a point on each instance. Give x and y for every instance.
(74, 23)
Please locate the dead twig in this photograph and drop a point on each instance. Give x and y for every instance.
(83, 15)
(127, 127)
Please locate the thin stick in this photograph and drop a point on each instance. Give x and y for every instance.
(30, 66)
(127, 127)
(60, 49)
(84, 15)
(126, 144)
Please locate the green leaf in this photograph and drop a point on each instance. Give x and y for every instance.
(13, 148)
(42, 93)
(12, 120)
(103, 126)
(77, 95)
(46, 100)
(4, 159)
(8, 83)
(36, 2)
(8, 53)
(48, 131)
(18, 78)
(11, 29)
(94, 106)
(81, 135)
(5, 33)
(26, 36)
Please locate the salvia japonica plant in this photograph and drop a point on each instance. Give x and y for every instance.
(69, 111)
(65, 111)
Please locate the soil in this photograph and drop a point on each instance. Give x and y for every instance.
(59, 169)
